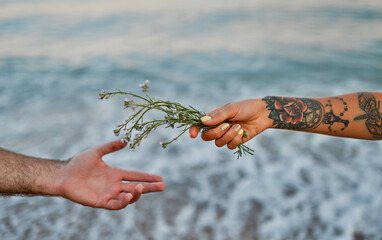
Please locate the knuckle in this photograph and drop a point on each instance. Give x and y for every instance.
(227, 105)
(219, 143)
(230, 135)
(231, 147)
(234, 143)
(204, 137)
(207, 136)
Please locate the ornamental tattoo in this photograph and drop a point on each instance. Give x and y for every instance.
(294, 113)
(330, 117)
(373, 117)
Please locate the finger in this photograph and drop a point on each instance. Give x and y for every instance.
(153, 187)
(214, 111)
(236, 141)
(125, 199)
(215, 133)
(221, 114)
(110, 147)
(147, 187)
(228, 136)
(194, 131)
(137, 193)
(139, 176)
(120, 202)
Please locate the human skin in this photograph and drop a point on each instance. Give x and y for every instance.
(85, 179)
(354, 115)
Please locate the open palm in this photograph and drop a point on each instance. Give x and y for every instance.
(88, 180)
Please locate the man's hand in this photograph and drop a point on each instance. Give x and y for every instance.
(88, 180)
(248, 115)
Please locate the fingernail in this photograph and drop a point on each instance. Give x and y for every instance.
(241, 132)
(236, 127)
(225, 126)
(205, 118)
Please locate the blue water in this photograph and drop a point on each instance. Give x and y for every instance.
(55, 57)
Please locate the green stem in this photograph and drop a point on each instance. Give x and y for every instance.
(188, 117)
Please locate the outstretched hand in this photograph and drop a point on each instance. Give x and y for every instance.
(234, 118)
(88, 180)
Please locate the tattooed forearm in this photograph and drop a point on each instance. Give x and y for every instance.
(294, 113)
(354, 115)
(306, 113)
(371, 107)
(330, 117)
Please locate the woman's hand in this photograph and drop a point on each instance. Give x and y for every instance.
(248, 116)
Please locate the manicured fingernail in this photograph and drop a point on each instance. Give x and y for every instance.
(225, 126)
(236, 127)
(241, 132)
(205, 118)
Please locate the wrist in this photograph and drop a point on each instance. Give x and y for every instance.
(264, 113)
(49, 182)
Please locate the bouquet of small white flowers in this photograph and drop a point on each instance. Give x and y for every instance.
(135, 128)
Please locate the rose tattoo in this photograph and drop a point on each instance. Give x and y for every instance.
(294, 113)
(290, 109)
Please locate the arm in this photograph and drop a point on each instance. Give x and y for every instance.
(355, 115)
(85, 179)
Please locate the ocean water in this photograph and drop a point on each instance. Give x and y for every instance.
(56, 56)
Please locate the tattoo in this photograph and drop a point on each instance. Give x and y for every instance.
(306, 113)
(294, 113)
(330, 117)
(373, 117)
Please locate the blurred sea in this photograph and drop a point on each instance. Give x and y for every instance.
(56, 56)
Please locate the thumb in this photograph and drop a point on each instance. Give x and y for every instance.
(220, 114)
(110, 147)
